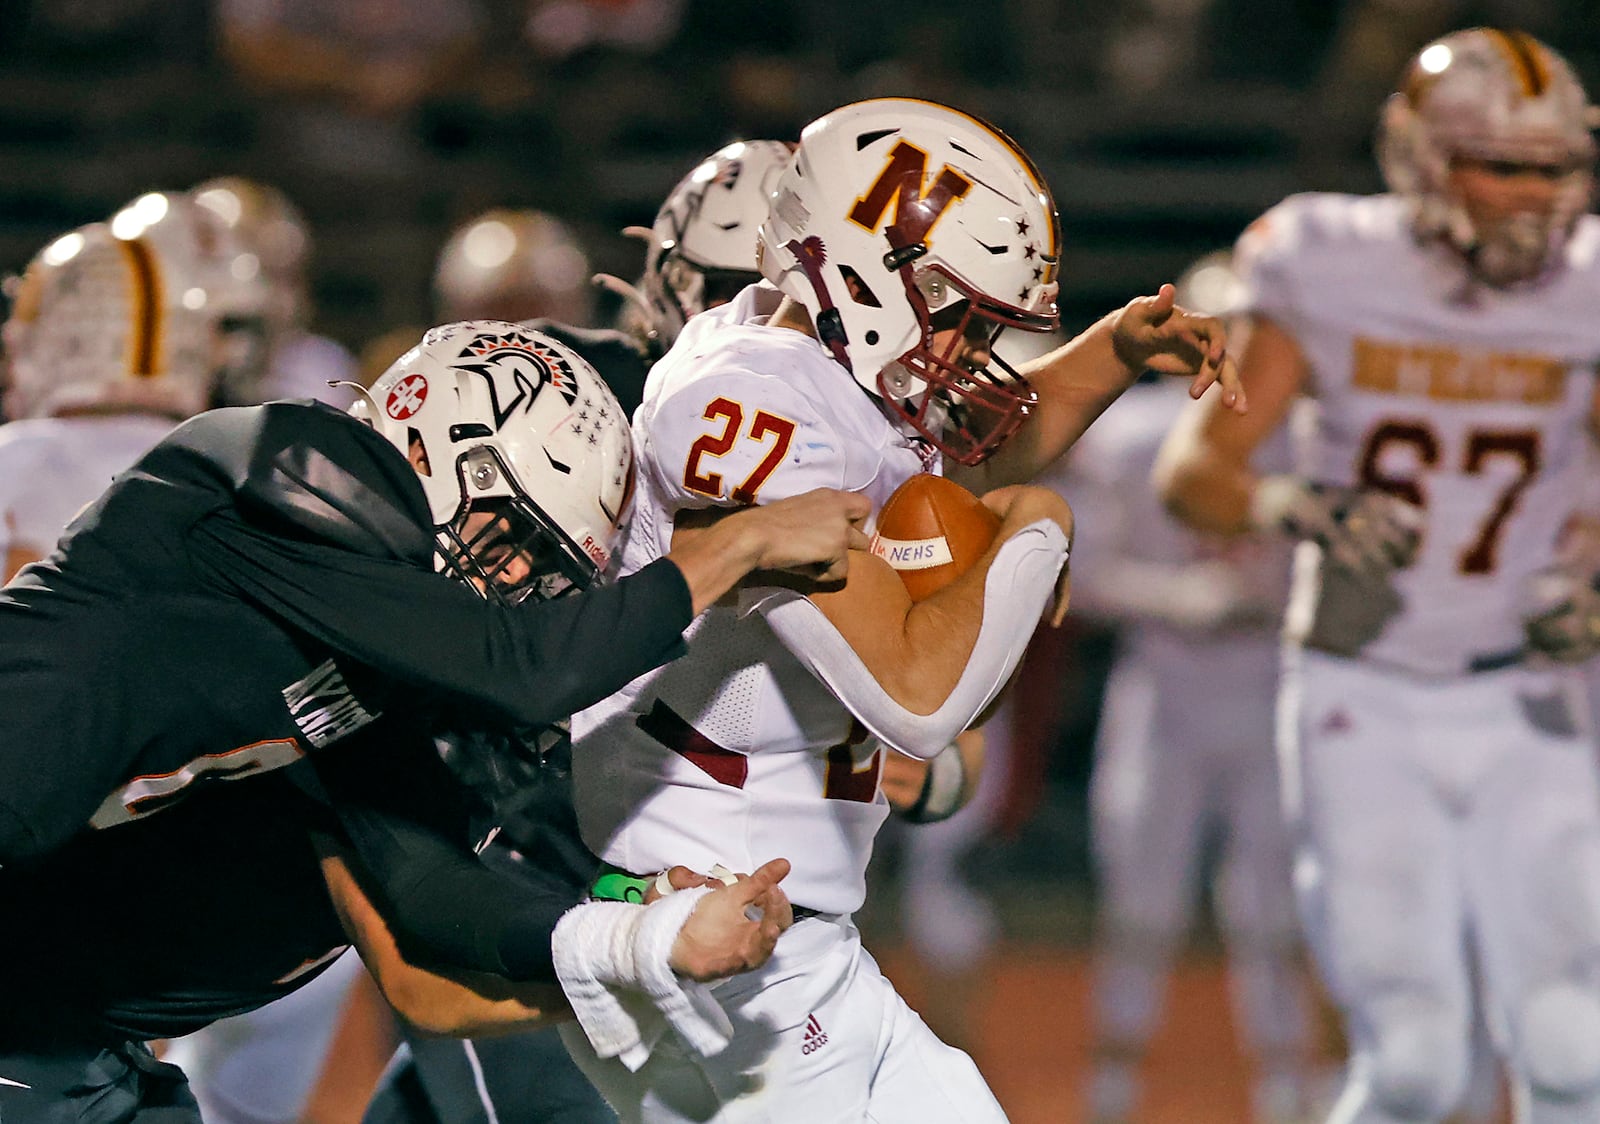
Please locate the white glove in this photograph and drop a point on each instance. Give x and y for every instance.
(1361, 531)
(1563, 616)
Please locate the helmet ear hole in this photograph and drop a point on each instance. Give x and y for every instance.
(417, 453)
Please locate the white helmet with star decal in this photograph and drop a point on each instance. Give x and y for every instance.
(523, 451)
(898, 219)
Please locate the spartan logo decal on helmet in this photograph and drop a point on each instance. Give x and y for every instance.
(1497, 97)
(900, 221)
(518, 365)
(524, 455)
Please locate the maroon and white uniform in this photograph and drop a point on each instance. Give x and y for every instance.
(736, 754)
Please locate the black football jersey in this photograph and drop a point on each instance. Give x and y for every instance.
(257, 589)
(160, 928)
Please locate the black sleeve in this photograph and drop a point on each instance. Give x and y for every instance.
(405, 817)
(534, 663)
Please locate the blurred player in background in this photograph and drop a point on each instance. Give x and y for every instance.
(1439, 775)
(110, 341)
(1176, 765)
(900, 240)
(296, 363)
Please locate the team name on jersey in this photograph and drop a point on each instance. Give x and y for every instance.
(1450, 374)
(323, 707)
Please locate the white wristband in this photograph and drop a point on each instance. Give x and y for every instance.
(613, 962)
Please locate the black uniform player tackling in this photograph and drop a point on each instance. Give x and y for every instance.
(258, 596)
(701, 253)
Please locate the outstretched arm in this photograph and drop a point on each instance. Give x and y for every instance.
(1078, 380)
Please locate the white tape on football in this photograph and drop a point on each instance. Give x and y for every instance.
(912, 554)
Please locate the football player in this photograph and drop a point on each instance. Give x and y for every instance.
(288, 587)
(1436, 764)
(1174, 763)
(295, 363)
(900, 239)
(702, 250)
(110, 341)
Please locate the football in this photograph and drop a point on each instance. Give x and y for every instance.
(931, 530)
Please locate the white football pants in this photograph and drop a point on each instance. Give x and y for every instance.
(1434, 815)
(819, 1035)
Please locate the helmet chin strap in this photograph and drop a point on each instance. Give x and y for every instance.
(812, 256)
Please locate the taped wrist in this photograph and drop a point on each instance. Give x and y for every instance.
(1019, 585)
(942, 789)
(606, 950)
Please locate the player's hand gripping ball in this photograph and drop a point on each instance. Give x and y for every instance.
(932, 530)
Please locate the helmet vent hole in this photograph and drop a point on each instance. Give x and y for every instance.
(468, 430)
(865, 139)
(860, 291)
(872, 339)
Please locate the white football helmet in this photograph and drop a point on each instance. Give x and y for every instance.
(898, 218)
(1490, 95)
(1211, 286)
(702, 245)
(265, 223)
(514, 265)
(238, 295)
(511, 422)
(100, 323)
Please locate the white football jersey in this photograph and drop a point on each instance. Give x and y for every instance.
(1119, 517)
(51, 468)
(1467, 401)
(736, 754)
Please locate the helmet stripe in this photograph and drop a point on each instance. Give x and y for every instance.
(1526, 58)
(146, 311)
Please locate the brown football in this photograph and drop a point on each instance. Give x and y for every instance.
(931, 531)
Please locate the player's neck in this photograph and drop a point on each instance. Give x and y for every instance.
(792, 314)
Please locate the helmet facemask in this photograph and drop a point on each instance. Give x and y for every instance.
(966, 409)
(893, 211)
(505, 547)
(524, 456)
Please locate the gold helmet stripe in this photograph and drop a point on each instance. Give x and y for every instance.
(145, 345)
(1526, 56)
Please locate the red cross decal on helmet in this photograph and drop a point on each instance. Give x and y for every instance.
(406, 397)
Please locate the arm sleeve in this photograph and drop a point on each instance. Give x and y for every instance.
(533, 663)
(405, 817)
(1019, 585)
(328, 531)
